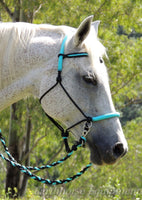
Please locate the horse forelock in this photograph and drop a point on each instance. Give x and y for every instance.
(94, 47)
(96, 51)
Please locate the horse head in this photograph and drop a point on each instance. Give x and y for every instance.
(86, 81)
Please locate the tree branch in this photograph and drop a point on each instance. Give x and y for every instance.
(132, 101)
(99, 9)
(56, 153)
(6, 8)
(36, 11)
(34, 145)
(53, 157)
(124, 84)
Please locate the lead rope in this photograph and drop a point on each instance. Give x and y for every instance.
(26, 169)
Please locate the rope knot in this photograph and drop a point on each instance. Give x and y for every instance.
(65, 134)
(74, 147)
(65, 137)
(89, 119)
(59, 78)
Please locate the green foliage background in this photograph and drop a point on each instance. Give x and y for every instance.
(124, 179)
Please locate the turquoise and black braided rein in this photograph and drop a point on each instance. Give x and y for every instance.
(26, 170)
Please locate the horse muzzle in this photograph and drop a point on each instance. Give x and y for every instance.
(109, 155)
(105, 148)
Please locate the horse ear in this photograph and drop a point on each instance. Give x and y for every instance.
(95, 24)
(82, 31)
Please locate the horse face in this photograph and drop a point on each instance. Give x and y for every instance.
(86, 81)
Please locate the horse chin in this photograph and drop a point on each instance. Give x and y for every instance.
(95, 157)
(96, 160)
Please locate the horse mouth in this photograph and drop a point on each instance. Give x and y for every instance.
(95, 157)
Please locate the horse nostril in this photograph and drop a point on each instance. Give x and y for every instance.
(118, 150)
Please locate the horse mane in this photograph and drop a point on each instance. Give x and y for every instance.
(19, 33)
(22, 33)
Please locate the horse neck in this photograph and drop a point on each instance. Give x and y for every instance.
(26, 66)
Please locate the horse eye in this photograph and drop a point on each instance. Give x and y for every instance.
(90, 79)
(101, 60)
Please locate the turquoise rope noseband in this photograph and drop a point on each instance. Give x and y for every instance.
(88, 123)
(105, 116)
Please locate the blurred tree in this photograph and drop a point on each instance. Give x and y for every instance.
(17, 11)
